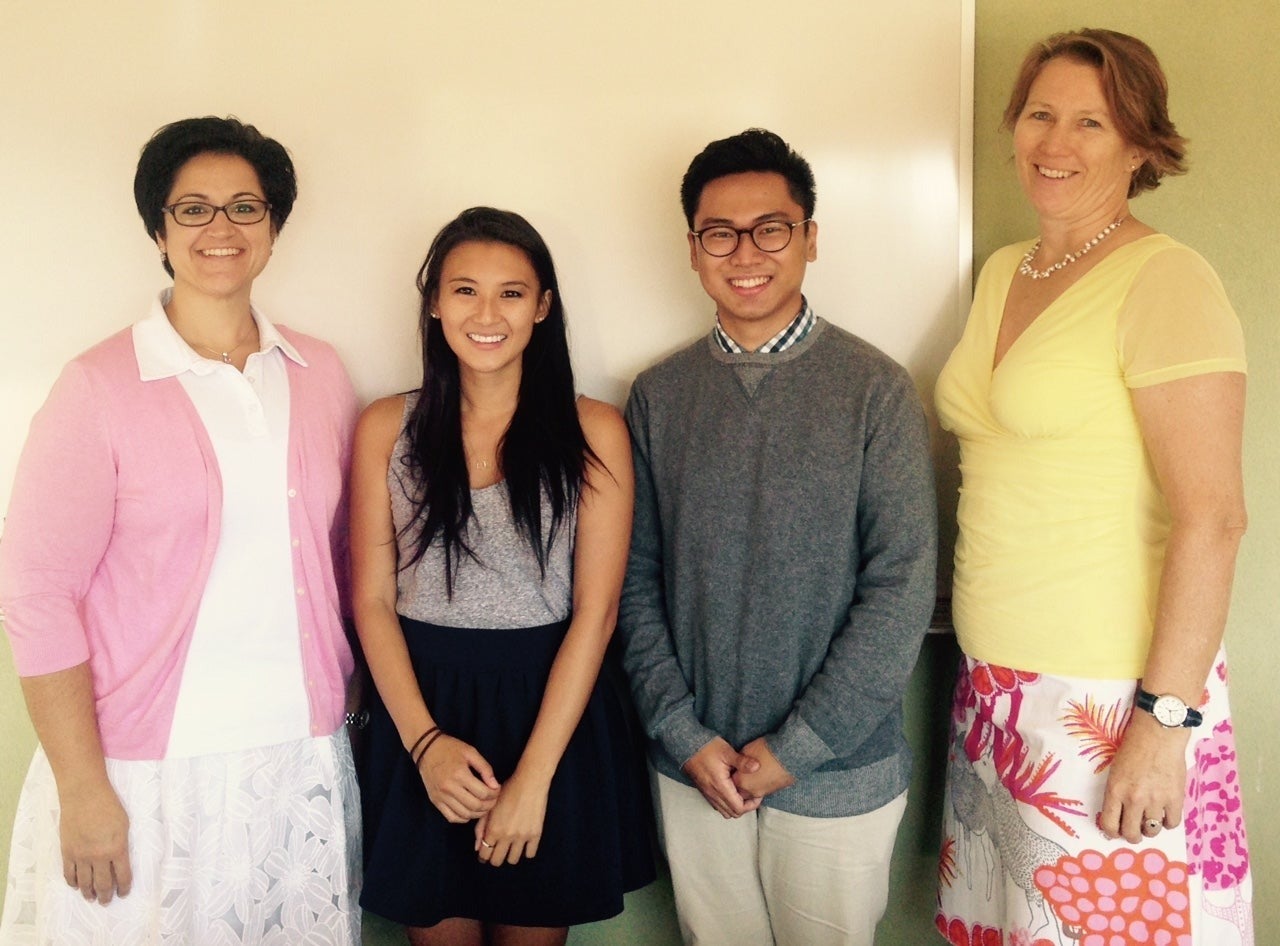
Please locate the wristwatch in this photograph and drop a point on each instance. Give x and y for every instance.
(1168, 710)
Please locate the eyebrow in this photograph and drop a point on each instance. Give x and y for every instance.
(472, 279)
(763, 218)
(1040, 103)
(195, 196)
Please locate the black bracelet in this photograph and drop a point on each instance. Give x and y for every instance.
(422, 754)
(414, 748)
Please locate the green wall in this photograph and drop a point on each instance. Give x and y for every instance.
(1224, 80)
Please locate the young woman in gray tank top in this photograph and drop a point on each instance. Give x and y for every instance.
(491, 515)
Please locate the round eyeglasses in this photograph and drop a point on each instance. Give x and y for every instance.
(771, 236)
(196, 213)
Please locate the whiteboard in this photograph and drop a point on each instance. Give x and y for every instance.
(580, 116)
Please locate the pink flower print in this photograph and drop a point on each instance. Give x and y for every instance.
(1127, 898)
(1216, 845)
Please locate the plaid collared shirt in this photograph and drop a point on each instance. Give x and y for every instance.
(797, 329)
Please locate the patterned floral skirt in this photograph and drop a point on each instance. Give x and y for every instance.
(1023, 861)
(260, 846)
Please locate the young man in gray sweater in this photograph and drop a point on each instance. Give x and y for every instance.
(781, 578)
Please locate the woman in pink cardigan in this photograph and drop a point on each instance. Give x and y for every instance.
(170, 579)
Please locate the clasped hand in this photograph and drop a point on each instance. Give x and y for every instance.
(734, 782)
(458, 779)
(461, 784)
(512, 829)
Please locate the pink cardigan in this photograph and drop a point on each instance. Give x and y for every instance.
(112, 528)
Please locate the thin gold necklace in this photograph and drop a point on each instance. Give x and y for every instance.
(226, 355)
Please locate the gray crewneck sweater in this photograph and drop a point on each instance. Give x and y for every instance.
(782, 567)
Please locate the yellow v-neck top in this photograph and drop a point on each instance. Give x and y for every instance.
(1062, 523)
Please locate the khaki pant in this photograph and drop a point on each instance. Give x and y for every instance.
(771, 877)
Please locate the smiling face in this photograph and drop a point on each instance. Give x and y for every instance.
(1073, 164)
(219, 259)
(756, 293)
(488, 303)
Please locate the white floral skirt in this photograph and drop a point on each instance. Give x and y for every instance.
(1023, 860)
(260, 846)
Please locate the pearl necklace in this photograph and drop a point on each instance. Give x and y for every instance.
(1026, 269)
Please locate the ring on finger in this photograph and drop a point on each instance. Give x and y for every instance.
(484, 843)
(1152, 826)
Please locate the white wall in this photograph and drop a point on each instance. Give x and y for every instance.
(580, 115)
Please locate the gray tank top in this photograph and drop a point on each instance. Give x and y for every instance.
(503, 589)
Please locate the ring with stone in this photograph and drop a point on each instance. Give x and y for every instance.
(1153, 825)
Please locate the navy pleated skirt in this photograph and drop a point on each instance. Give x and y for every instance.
(485, 686)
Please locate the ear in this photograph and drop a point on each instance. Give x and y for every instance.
(811, 241)
(693, 252)
(544, 307)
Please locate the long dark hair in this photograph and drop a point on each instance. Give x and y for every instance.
(542, 453)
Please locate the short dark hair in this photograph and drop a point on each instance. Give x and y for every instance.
(178, 142)
(1134, 86)
(753, 150)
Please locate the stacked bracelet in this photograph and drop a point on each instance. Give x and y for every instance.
(425, 741)
(413, 750)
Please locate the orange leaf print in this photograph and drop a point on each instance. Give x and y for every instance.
(1099, 728)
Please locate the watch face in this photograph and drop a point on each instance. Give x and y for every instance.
(1169, 711)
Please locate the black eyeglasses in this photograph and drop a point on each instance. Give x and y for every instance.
(196, 213)
(769, 237)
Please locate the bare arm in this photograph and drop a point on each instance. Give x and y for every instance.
(514, 827)
(458, 780)
(1193, 431)
(93, 825)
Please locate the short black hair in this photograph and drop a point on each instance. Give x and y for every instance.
(177, 143)
(753, 150)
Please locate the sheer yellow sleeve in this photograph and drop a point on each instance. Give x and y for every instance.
(1176, 322)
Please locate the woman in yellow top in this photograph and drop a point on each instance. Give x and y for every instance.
(1098, 397)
